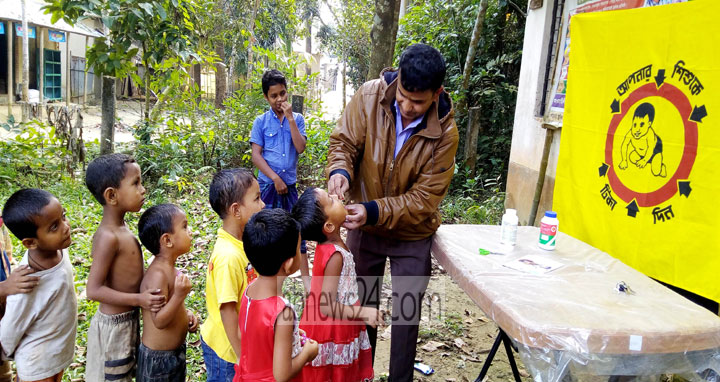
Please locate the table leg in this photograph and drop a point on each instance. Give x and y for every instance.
(511, 357)
(501, 337)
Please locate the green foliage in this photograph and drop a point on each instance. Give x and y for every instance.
(473, 199)
(496, 69)
(311, 164)
(33, 149)
(164, 28)
(194, 138)
(349, 39)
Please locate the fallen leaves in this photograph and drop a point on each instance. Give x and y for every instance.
(432, 346)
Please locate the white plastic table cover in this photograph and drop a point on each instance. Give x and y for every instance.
(572, 321)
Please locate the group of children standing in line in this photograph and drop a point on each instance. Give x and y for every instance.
(251, 332)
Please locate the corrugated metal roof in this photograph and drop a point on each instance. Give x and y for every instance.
(12, 10)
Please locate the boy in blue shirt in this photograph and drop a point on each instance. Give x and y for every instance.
(278, 137)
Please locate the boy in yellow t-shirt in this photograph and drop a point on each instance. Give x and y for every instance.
(235, 197)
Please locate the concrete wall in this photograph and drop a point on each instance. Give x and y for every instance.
(528, 135)
(77, 49)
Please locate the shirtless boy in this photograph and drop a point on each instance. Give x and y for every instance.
(164, 231)
(116, 271)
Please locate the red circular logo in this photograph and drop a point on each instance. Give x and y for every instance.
(682, 103)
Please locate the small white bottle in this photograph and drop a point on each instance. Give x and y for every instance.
(548, 230)
(508, 229)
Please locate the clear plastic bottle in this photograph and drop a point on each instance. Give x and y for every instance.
(508, 229)
(548, 230)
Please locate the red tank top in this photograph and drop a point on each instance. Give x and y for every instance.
(257, 326)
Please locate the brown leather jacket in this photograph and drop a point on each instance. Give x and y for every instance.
(401, 195)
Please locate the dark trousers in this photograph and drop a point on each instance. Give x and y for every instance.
(410, 269)
(161, 365)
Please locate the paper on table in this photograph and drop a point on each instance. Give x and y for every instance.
(533, 264)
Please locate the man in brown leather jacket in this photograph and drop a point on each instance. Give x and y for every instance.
(394, 150)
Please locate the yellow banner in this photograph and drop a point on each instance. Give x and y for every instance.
(638, 173)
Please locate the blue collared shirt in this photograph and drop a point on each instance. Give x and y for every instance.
(279, 152)
(401, 135)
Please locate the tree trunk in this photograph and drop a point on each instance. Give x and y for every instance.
(251, 38)
(107, 123)
(308, 45)
(25, 64)
(472, 50)
(162, 98)
(382, 37)
(393, 32)
(471, 137)
(197, 79)
(344, 81)
(220, 76)
(147, 92)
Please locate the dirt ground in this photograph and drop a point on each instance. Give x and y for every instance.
(127, 111)
(465, 333)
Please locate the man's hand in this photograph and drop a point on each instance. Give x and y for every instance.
(338, 185)
(152, 300)
(20, 282)
(371, 316)
(357, 216)
(280, 186)
(287, 110)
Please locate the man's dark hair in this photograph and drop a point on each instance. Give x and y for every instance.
(106, 171)
(272, 77)
(645, 109)
(422, 67)
(155, 222)
(308, 212)
(229, 186)
(269, 238)
(22, 208)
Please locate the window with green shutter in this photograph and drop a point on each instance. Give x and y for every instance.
(53, 75)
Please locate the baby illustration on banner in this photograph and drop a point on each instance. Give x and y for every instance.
(641, 144)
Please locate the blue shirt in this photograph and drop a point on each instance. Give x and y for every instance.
(401, 135)
(279, 152)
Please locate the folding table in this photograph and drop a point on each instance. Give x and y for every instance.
(573, 321)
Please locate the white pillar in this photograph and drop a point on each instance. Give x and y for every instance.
(25, 64)
(41, 85)
(11, 68)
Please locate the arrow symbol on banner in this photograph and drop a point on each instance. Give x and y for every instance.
(698, 114)
(615, 106)
(632, 208)
(660, 78)
(603, 169)
(684, 188)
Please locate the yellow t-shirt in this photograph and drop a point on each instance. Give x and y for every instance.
(228, 274)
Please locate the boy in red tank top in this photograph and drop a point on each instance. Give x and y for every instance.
(268, 324)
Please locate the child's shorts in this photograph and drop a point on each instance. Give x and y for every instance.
(112, 345)
(161, 365)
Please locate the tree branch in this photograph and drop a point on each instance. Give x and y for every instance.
(517, 8)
